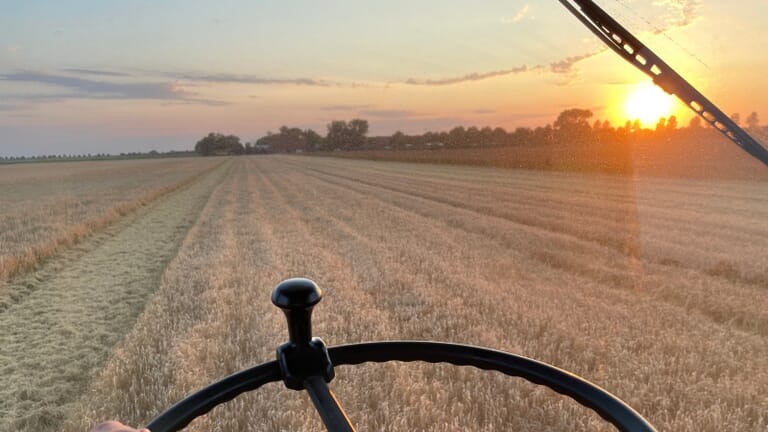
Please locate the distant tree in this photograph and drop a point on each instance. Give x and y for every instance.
(695, 123)
(753, 122)
(289, 140)
(736, 117)
(521, 135)
(338, 135)
(500, 136)
(398, 140)
(219, 144)
(313, 141)
(544, 135)
(457, 137)
(359, 127)
(672, 123)
(573, 124)
(346, 136)
(473, 136)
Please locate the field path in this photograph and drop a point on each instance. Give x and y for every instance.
(75, 308)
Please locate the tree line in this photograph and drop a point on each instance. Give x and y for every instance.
(340, 135)
(73, 157)
(573, 125)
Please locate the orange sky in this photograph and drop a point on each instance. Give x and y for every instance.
(162, 76)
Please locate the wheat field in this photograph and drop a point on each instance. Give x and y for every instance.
(655, 289)
(49, 206)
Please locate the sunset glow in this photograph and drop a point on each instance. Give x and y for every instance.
(648, 103)
(161, 75)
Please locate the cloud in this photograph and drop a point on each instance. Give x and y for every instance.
(195, 101)
(224, 78)
(565, 65)
(84, 88)
(80, 83)
(96, 72)
(92, 89)
(484, 111)
(560, 67)
(388, 113)
(474, 76)
(344, 107)
(8, 107)
(684, 12)
(518, 16)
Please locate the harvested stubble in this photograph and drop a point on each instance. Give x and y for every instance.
(50, 206)
(618, 279)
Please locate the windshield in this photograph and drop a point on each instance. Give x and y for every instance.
(489, 174)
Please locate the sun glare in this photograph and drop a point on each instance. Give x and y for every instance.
(648, 103)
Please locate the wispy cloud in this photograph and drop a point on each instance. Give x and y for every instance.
(224, 78)
(389, 113)
(344, 107)
(561, 67)
(566, 65)
(8, 107)
(169, 87)
(474, 76)
(682, 12)
(86, 88)
(96, 72)
(519, 15)
(93, 89)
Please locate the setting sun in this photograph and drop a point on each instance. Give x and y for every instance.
(648, 103)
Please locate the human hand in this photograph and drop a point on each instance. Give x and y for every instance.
(114, 426)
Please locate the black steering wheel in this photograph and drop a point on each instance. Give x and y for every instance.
(304, 363)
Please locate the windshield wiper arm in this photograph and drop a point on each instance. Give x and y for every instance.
(631, 49)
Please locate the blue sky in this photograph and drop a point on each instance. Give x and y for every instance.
(95, 76)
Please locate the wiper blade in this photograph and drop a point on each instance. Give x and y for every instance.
(631, 49)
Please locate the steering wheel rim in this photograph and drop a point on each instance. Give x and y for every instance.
(608, 406)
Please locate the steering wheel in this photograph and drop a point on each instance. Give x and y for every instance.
(304, 363)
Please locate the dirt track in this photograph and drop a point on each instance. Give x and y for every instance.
(67, 316)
